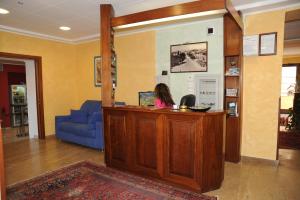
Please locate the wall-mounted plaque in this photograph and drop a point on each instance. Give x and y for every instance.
(267, 44)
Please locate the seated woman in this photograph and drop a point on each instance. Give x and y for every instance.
(163, 96)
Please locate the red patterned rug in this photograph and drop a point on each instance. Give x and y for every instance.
(86, 180)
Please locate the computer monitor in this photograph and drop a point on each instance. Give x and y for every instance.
(146, 98)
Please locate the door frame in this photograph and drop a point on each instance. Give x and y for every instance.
(39, 88)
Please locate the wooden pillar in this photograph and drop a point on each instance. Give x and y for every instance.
(2, 173)
(233, 57)
(106, 44)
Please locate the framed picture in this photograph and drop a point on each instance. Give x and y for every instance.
(146, 98)
(97, 71)
(232, 108)
(190, 57)
(231, 92)
(267, 44)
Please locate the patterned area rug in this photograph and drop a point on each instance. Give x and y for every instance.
(86, 180)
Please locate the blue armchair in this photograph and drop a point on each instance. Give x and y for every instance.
(83, 126)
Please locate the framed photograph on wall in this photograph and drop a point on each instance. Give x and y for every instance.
(97, 71)
(189, 57)
(267, 44)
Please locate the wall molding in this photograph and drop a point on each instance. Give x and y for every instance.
(96, 37)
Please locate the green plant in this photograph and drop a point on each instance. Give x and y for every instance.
(292, 120)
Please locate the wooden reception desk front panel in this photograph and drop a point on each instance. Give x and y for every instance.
(185, 148)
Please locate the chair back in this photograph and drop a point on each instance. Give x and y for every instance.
(188, 100)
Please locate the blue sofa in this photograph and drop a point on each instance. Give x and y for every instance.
(82, 126)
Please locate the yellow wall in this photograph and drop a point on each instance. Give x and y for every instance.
(85, 54)
(136, 65)
(261, 89)
(58, 68)
(68, 72)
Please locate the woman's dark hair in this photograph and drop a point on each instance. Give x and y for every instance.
(163, 93)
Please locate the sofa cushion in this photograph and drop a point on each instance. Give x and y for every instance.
(84, 130)
(95, 117)
(79, 116)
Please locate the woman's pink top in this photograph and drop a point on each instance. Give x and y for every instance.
(159, 104)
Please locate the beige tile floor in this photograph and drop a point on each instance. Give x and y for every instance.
(248, 180)
(258, 180)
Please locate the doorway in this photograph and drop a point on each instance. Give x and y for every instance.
(36, 72)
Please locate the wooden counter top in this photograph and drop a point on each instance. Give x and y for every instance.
(183, 148)
(163, 110)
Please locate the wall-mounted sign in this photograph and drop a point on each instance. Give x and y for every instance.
(267, 44)
(250, 45)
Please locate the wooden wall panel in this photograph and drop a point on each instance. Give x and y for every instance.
(146, 146)
(213, 152)
(232, 37)
(117, 139)
(181, 137)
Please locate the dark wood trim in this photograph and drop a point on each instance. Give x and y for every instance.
(278, 129)
(2, 172)
(39, 88)
(275, 45)
(106, 44)
(291, 65)
(170, 11)
(231, 10)
(292, 16)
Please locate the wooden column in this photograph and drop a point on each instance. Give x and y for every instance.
(233, 41)
(2, 173)
(106, 44)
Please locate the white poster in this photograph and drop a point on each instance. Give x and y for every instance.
(250, 45)
(208, 91)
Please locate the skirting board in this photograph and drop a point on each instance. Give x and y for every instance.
(260, 160)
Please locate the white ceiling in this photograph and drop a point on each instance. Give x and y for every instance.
(43, 17)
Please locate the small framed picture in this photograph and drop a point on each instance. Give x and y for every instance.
(232, 108)
(97, 71)
(268, 44)
(231, 92)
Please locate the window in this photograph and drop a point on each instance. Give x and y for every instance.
(288, 84)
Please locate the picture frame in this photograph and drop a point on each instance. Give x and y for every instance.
(268, 44)
(232, 108)
(97, 71)
(231, 92)
(189, 57)
(146, 98)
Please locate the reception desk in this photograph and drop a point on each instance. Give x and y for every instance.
(181, 147)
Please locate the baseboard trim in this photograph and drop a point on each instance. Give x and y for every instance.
(261, 160)
(50, 136)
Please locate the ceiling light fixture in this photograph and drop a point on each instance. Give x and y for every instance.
(3, 11)
(65, 28)
(200, 14)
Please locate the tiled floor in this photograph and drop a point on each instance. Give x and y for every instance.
(248, 180)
